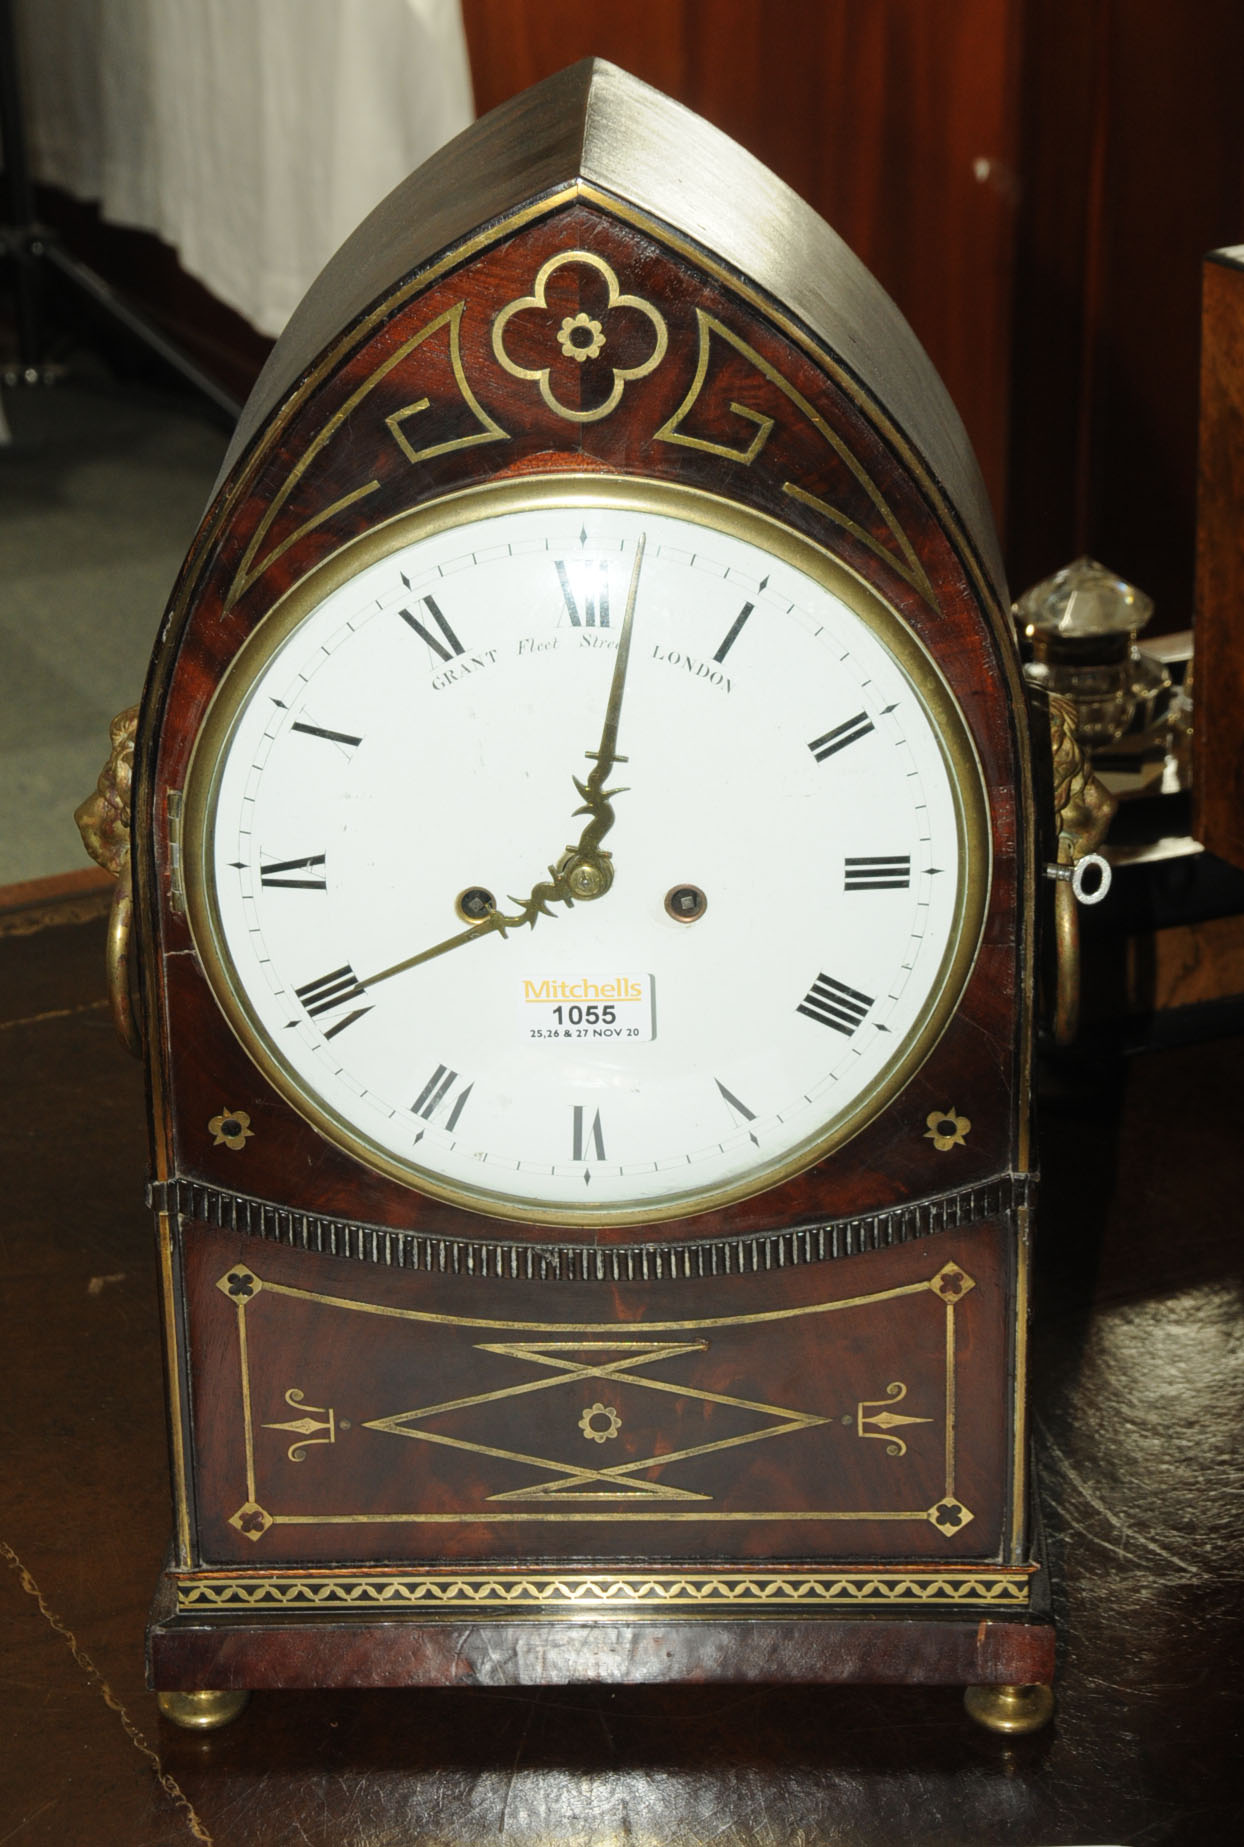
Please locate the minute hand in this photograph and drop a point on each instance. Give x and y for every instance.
(593, 790)
(584, 871)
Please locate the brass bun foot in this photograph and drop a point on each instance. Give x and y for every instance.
(204, 1711)
(1012, 1710)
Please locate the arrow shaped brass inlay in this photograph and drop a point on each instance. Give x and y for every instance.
(886, 1421)
(306, 1427)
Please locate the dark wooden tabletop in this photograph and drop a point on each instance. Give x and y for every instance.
(1139, 1407)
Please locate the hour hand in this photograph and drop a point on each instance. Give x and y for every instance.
(495, 922)
(585, 870)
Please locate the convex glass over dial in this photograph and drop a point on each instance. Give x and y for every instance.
(585, 851)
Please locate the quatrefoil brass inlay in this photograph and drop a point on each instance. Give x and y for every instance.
(566, 338)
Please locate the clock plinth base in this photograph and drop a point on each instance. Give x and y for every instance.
(966, 1648)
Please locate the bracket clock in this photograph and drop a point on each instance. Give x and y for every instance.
(583, 891)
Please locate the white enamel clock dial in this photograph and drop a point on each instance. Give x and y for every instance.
(585, 851)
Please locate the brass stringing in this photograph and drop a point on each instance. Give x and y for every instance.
(619, 1362)
(253, 567)
(906, 562)
(585, 1483)
(584, 1594)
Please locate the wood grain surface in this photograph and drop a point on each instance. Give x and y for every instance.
(329, 469)
(740, 1420)
(1139, 1391)
(1218, 738)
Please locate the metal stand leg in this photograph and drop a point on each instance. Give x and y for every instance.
(204, 1711)
(32, 247)
(1012, 1710)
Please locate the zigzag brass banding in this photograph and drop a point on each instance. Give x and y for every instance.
(590, 1596)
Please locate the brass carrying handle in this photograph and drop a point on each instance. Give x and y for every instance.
(1066, 1021)
(117, 963)
(1084, 808)
(1080, 878)
(104, 824)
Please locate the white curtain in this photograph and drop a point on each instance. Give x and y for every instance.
(252, 135)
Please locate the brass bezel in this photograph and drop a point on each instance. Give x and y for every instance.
(656, 498)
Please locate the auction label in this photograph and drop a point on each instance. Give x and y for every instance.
(588, 1007)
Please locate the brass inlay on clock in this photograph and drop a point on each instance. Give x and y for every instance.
(488, 430)
(907, 564)
(584, 906)
(318, 1424)
(569, 336)
(230, 1128)
(946, 1129)
(880, 1414)
(596, 1353)
(455, 1594)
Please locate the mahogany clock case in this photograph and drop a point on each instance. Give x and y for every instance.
(811, 1399)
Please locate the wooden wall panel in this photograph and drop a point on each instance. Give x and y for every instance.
(897, 121)
(1132, 167)
(1219, 736)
